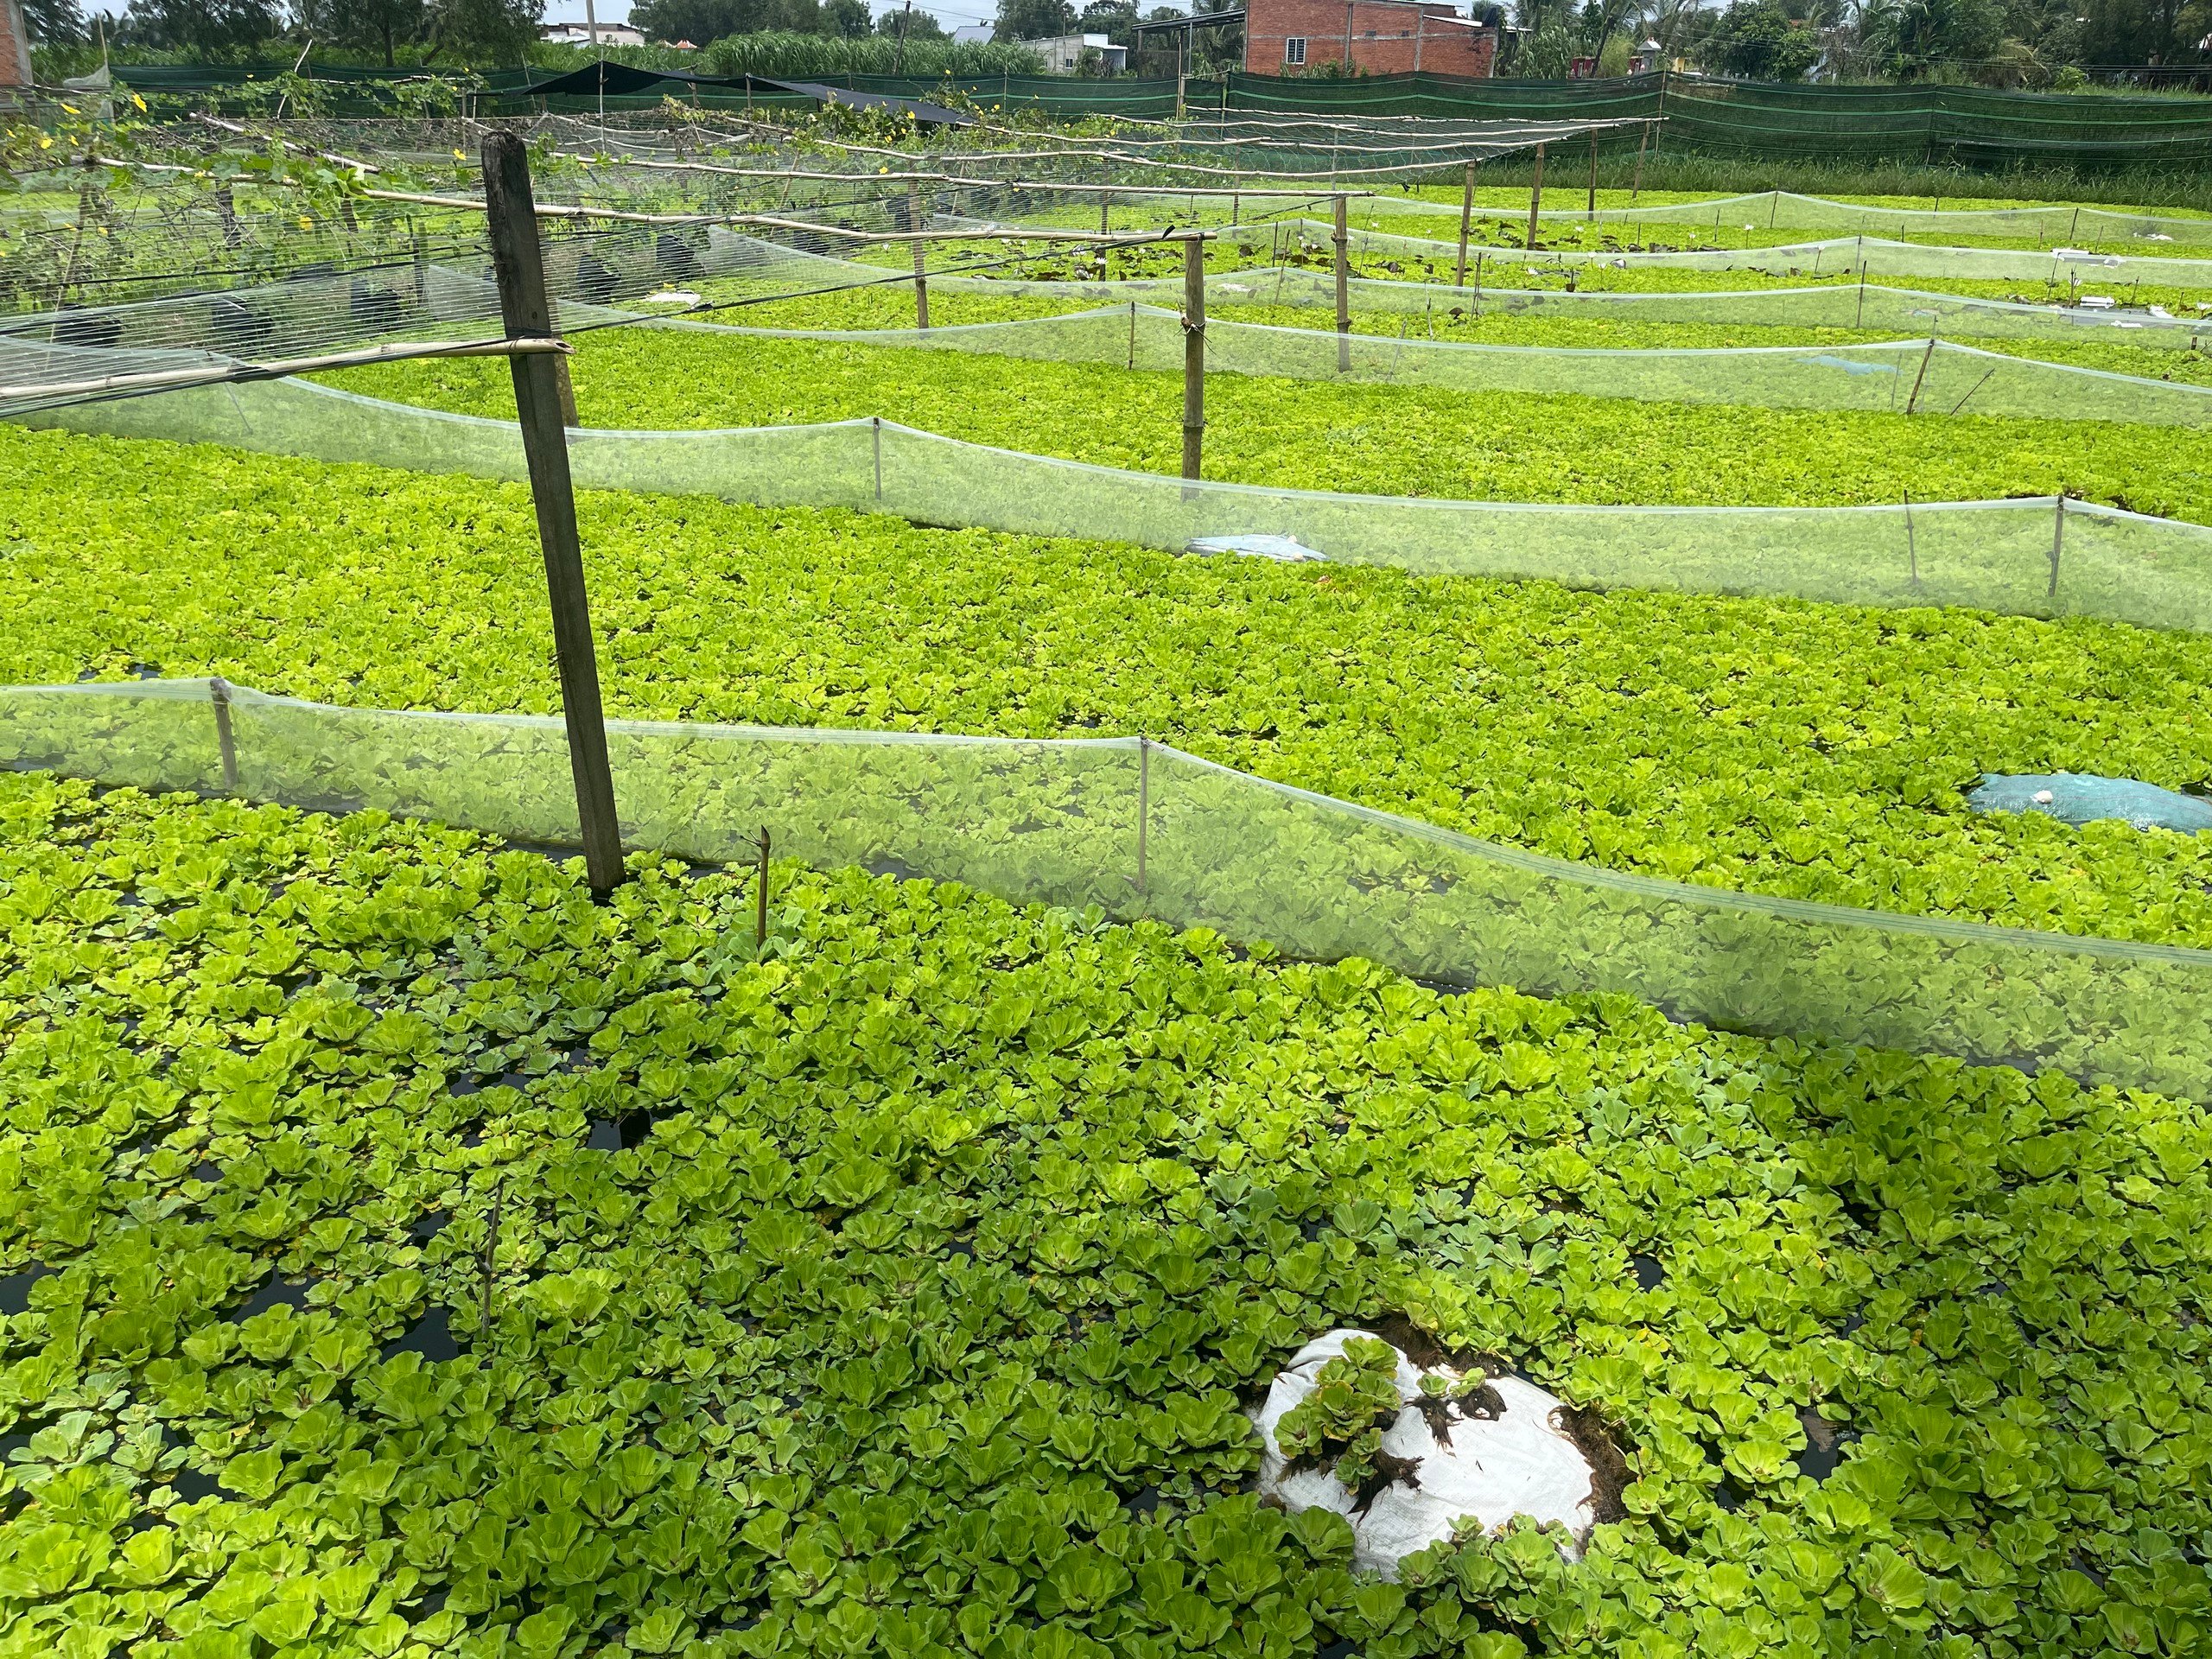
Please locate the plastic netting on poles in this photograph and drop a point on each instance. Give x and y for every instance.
(2038, 557)
(1138, 829)
(1865, 308)
(1835, 257)
(2054, 224)
(1924, 376)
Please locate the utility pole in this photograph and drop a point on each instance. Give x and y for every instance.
(519, 263)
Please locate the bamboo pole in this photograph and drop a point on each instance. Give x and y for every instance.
(1535, 195)
(518, 263)
(921, 269)
(1343, 241)
(1194, 355)
(1466, 218)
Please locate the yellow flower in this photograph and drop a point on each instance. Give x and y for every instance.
(306, 224)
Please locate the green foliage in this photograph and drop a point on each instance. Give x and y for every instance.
(1387, 439)
(783, 53)
(718, 1413)
(1755, 40)
(1808, 751)
(1339, 1426)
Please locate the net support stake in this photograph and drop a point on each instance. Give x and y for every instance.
(1636, 188)
(1144, 808)
(1343, 239)
(1589, 211)
(517, 262)
(875, 422)
(1194, 354)
(2057, 544)
(921, 276)
(761, 896)
(1535, 196)
(1912, 402)
(1911, 548)
(1466, 217)
(1105, 205)
(219, 693)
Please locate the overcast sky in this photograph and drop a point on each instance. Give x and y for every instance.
(951, 16)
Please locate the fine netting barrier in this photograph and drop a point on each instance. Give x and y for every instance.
(2051, 222)
(1140, 830)
(2043, 556)
(1836, 257)
(1928, 376)
(1859, 307)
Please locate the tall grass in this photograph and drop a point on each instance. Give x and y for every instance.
(785, 55)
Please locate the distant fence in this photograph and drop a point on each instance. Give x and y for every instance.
(1967, 126)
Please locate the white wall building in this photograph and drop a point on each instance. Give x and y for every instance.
(1064, 53)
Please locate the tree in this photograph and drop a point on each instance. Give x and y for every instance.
(1115, 19)
(1033, 20)
(493, 31)
(374, 25)
(703, 22)
(1754, 41)
(1913, 39)
(54, 22)
(911, 25)
(208, 26)
(849, 18)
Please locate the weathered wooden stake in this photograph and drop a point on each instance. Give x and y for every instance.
(1144, 807)
(1635, 189)
(491, 1254)
(1912, 403)
(219, 693)
(1535, 194)
(1343, 239)
(2058, 542)
(1590, 213)
(921, 271)
(1466, 219)
(760, 897)
(1194, 352)
(519, 263)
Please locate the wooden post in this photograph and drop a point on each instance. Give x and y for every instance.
(1535, 195)
(1343, 241)
(1466, 217)
(1194, 352)
(1589, 211)
(1105, 206)
(519, 263)
(491, 1257)
(1636, 188)
(2057, 543)
(760, 897)
(219, 693)
(1913, 401)
(921, 270)
(1144, 808)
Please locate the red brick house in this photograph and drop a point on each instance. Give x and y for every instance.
(1287, 37)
